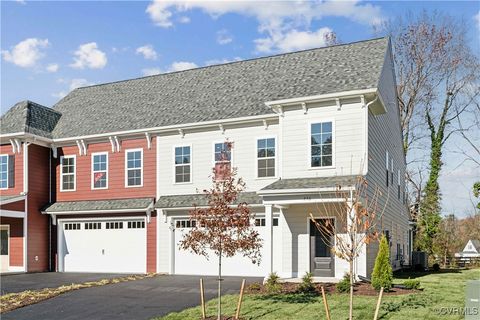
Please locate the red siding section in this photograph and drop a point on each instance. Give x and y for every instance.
(18, 187)
(152, 244)
(38, 196)
(16, 240)
(14, 206)
(116, 172)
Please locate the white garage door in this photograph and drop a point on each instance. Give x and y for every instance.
(189, 263)
(102, 246)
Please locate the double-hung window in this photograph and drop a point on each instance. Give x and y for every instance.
(67, 173)
(100, 170)
(223, 158)
(134, 168)
(3, 171)
(321, 144)
(183, 164)
(266, 157)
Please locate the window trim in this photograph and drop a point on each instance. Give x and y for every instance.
(191, 163)
(213, 152)
(74, 156)
(126, 168)
(93, 172)
(309, 143)
(8, 170)
(256, 156)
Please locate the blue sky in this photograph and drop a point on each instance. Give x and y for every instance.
(49, 48)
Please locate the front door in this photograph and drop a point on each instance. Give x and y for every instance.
(321, 257)
(5, 246)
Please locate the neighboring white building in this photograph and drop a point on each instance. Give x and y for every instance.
(471, 250)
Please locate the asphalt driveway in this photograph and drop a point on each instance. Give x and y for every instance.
(140, 299)
(33, 281)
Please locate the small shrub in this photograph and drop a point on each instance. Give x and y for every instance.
(344, 285)
(307, 285)
(272, 284)
(436, 267)
(412, 284)
(418, 267)
(256, 286)
(382, 275)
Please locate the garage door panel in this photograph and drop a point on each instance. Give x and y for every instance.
(114, 249)
(187, 262)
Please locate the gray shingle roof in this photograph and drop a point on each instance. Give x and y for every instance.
(231, 90)
(311, 183)
(6, 198)
(189, 200)
(28, 116)
(98, 205)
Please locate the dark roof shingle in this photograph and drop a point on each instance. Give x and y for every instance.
(98, 205)
(311, 183)
(189, 200)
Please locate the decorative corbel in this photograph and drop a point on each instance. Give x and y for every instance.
(265, 124)
(112, 143)
(280, 109)
(149, 212)
(117, 143)
(54, 219)
(220, 126)
(339, 105)
(149, 141)
(84, 147)
(181, 132)
(362, 99)
(18, 144)
(14, 146)
(304, 107)
(79, 147)
(54, 150)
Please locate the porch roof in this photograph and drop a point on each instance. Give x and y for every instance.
(99, 206)
(310, 183)
(199, 200)
(12, 198)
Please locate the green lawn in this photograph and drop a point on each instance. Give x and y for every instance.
(441, 289)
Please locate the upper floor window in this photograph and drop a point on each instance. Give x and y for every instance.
(398, 184)
(67, 173)
(134, 168)
(321, 144)
(100, 170)
(183, 164)
(266, 157)
(223, 152)
(3, 171)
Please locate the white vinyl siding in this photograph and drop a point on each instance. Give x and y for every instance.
(134, 168)
(67, 173)
(100, 170)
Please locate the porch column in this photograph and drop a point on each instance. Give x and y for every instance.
(268, 239)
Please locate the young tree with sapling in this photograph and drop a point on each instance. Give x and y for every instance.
(224, 227)
(358, 216)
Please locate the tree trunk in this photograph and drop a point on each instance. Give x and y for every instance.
(350, 311)
(219, 305)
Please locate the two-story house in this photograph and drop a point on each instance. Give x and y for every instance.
(124, 162)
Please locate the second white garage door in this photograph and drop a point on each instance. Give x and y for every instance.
(186, 262)
(102, 246)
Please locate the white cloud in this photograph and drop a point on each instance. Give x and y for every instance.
(224, 37)
(147, 51)
(184, 19)
(277, 20)
(52, 67)
(293, 41)
(89, 56)
(221, 61)
(151, 71)
(27, 52)
(182, 65)
(21, 1)
(74, 84)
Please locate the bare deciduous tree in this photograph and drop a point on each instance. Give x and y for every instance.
(357, 217)
(223, 227)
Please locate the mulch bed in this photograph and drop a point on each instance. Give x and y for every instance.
(12, 301)
(360, 289)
